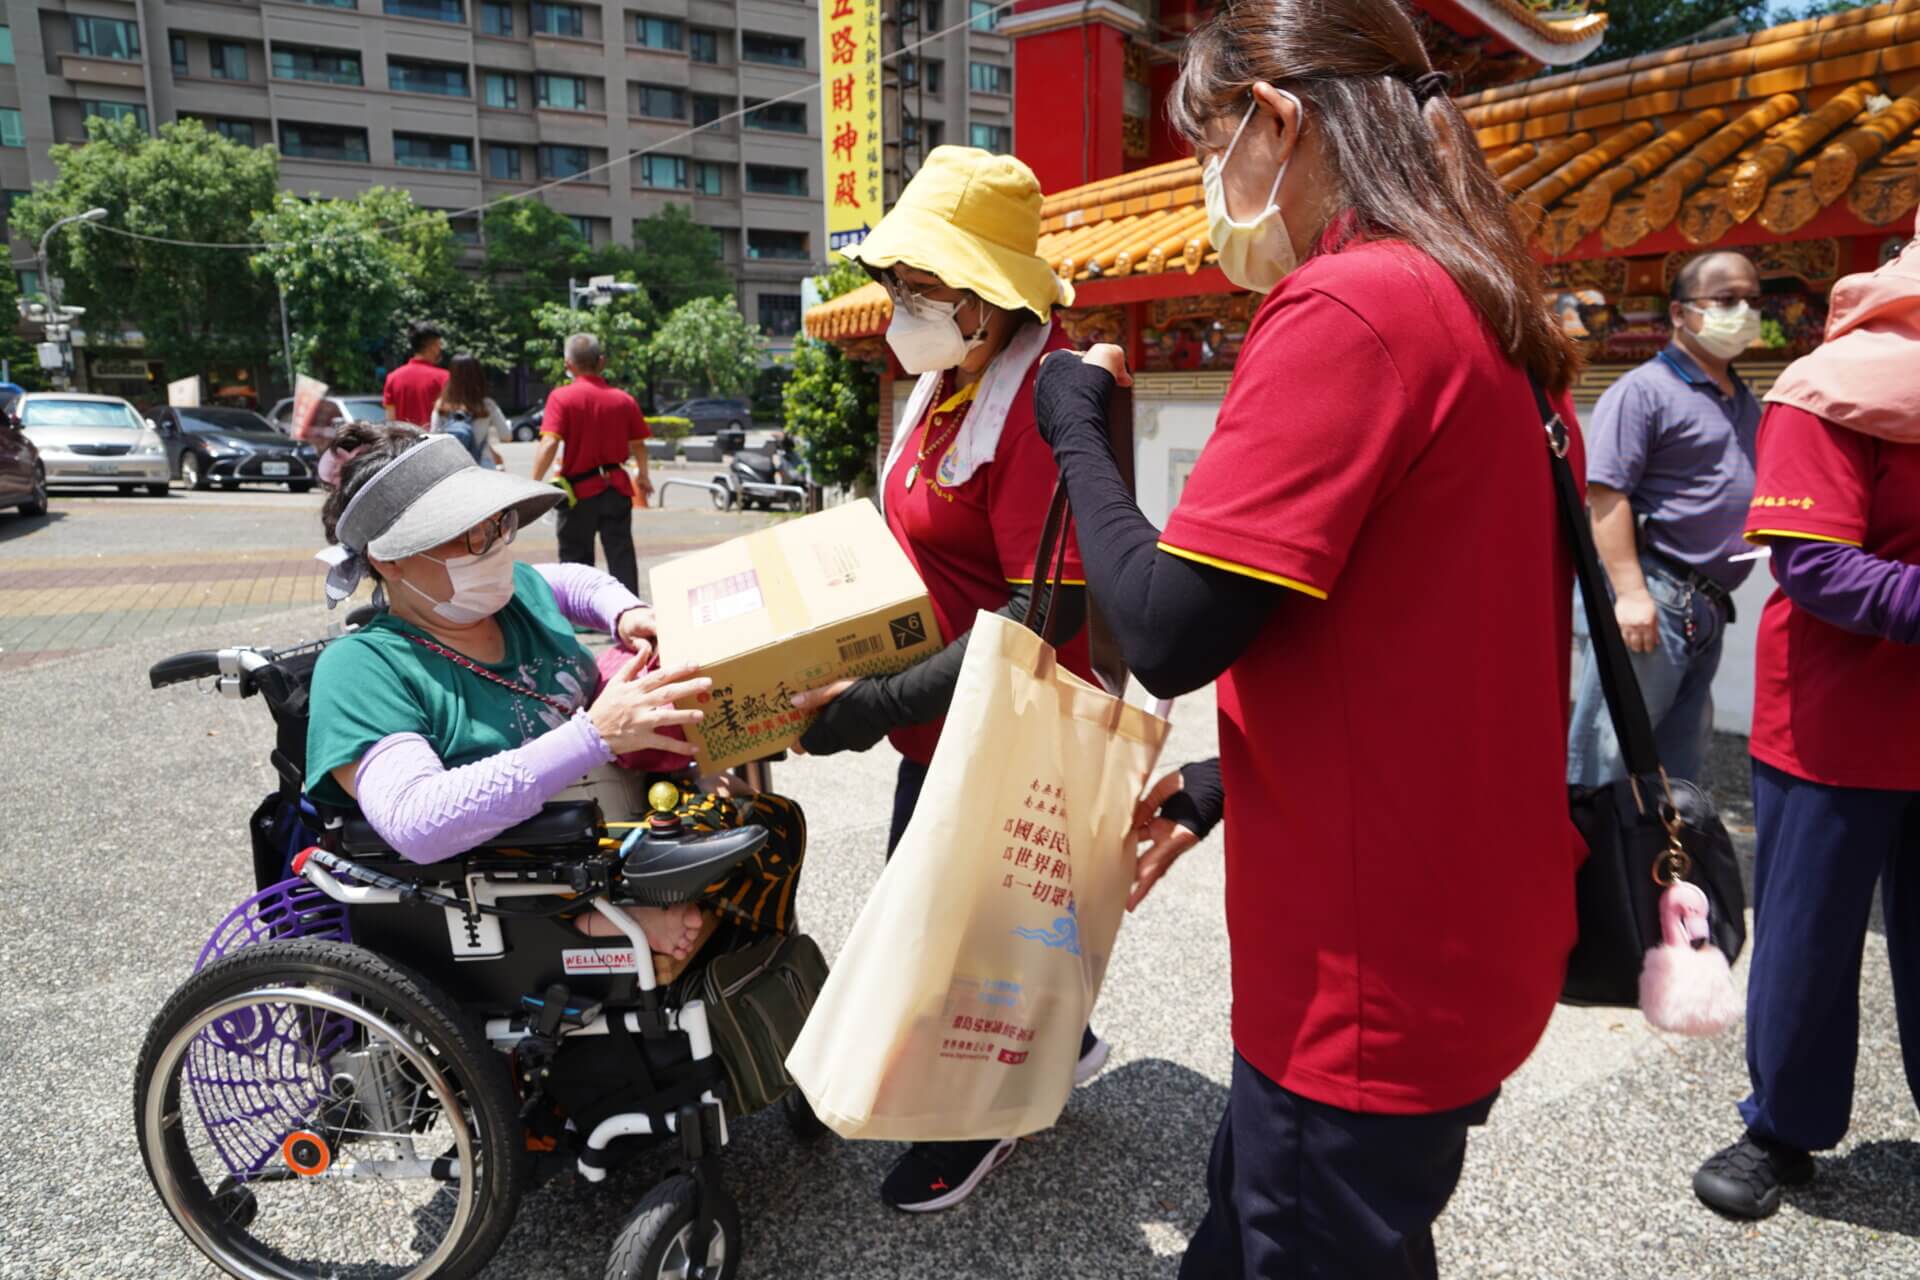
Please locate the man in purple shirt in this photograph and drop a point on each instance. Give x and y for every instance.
(1669, 479)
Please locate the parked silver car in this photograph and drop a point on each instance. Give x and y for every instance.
(93, 440)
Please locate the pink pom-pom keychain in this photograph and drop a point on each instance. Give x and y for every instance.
(1685, 984)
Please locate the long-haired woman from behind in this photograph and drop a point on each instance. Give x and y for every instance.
(464, 399)
(1367, 557)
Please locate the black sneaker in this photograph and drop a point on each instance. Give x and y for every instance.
(938, 1175)
(1093, 1056)
(1745, 1179)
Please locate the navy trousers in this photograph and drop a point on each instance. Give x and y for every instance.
(1821, 851)
(906, 795)
(1303, 1191)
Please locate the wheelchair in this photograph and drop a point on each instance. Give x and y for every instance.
(375, 1058)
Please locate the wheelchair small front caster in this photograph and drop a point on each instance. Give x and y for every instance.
(657, 1242)
(235, 1203)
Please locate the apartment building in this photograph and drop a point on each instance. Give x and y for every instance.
(955, 87)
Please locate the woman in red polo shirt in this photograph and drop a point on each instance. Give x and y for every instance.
(1836, 759)
(965, 491)
(1367, 557)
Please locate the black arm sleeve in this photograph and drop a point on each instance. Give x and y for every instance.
(1202, 799)
(873, 707)
(1179, 624)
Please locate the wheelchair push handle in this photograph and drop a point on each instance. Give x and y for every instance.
(197, 664)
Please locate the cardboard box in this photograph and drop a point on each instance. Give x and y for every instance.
(794, 606)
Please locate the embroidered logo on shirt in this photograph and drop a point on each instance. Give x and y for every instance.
(1804, 504)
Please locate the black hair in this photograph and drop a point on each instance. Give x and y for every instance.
(419, 334)
(378, 444)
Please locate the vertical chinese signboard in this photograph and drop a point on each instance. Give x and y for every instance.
(850, 102)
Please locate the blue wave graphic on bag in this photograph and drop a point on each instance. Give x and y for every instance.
(1064, 935)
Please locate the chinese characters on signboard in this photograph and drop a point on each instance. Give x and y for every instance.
(850, 108)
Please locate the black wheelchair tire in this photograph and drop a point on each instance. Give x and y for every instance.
(806, 1126)
(473, 1068)
(641, 1250)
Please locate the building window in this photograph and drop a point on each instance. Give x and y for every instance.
(496, 19)
(583, 225)
(106, 38)
(6, 46)
(936, 75)
(786, 246)
(444, 78)
(935, 12)
(558, 20)
(177, 46)
(935, 131)
(663, 171)
(418, 151)
(989, 78)
(702, 45)
(909, 71)
(11, 134)
(657, 33)
(29, 282)
(707, 179)
(432, 10)
(8, 199)
(500, 89)
(503, 163)
(776, 180)
(228, 61)
(992, 137)
(777, 117)
(323, 142)
(327, 66)
(562, 162)
(563, 93)
(708, 107)
(983, 15)
(116, 111)
(332, 4)
(240, 131)
(658, 102)
(778, 51)
(780, 314)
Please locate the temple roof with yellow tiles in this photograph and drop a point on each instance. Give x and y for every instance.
(1777, 129)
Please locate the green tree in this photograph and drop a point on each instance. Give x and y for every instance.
(195, 307)
(708, 345)
(531, 253)
(621, 327)
(673, 257)
(357, 272)
(1641, 26)
(23, 362)
(833, 403)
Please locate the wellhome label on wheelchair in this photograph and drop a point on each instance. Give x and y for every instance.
(599, 960)
(790, 607)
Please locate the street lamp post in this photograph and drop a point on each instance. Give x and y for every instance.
(56, 316)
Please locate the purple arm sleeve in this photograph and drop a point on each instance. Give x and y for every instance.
(430, 812)
(586, 596)
(1850, 588)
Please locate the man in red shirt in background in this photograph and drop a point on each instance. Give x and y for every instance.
(600, 427)
(414, 388)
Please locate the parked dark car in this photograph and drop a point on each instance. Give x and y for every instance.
(527, 425)
(232, 447)
(23, 477)
(726, 420)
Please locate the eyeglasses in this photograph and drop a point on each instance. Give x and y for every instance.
(483, 537)
(1723, 301)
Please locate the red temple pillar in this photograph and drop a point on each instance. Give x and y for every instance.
(1070, 59)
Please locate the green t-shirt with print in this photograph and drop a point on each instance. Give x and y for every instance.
(380, 681)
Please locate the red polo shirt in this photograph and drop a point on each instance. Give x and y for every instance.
(1399, 858)
(596, 425)
(412, 390)
(972, 541)
(1832, 705)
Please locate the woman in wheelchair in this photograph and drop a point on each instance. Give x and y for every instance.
(467, 703)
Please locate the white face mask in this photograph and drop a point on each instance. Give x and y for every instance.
(482, 585)
(1256, 254)
(925, 335)
(1727, 333)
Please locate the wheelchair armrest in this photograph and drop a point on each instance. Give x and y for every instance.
(570, 823)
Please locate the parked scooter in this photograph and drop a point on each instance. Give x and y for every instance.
(766, 478)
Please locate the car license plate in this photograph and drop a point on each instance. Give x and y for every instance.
(274, 468)
(103, 468)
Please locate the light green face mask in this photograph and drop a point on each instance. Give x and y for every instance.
(1727, 332)
(1256, 254)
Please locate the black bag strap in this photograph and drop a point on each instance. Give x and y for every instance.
(1049, 562)
(1622, 687)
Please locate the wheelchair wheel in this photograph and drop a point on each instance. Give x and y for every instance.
(307, 1108)
(657, 1241)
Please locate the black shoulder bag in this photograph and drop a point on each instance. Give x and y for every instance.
(1642, 833)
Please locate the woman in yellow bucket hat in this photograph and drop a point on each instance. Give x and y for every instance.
(965, 491)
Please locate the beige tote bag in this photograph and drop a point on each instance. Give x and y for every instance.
(955, 1009)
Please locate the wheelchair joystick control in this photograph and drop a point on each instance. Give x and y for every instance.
(663, 820)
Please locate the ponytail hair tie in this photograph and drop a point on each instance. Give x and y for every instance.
(1430, 86)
